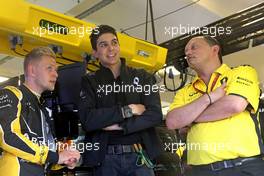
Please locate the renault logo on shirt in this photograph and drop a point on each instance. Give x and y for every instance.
(192, 96)
(136, 81)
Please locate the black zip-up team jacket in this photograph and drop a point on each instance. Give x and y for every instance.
(21, 134)
(99, 109)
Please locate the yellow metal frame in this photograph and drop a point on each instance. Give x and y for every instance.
(20, 18)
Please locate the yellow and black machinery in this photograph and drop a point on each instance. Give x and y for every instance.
(24, 26)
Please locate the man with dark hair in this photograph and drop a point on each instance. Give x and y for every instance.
(26, 136)
(219, 107)
(214, 42)
(120, 120)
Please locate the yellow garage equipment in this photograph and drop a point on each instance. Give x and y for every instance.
(24, 26)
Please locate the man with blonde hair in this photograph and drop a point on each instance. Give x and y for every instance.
(26, 136)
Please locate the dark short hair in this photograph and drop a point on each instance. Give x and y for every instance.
(36, 54)
(98, 31)
(213, 41)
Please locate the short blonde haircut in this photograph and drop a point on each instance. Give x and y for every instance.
(36, 55)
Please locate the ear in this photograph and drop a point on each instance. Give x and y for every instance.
(216, 49)
(32, 70)
(94, 53)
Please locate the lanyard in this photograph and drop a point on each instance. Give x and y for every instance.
(212, 87)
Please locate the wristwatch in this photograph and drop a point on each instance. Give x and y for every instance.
(127, 112)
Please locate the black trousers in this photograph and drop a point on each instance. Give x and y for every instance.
(122, 165)
(251, 168)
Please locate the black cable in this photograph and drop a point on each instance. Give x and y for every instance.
(26, 50)
(183, 76)
(67, 59)
(73, 61)
(162, 16)
(123, 32)
(60, 63)
(173, 83)
(23, 49)
(14, 50)
(170, 63)
(146, 27)
(183, 81)
(61, 57)
(89, 63)
(152, 22)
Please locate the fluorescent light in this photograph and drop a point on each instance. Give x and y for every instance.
(2, 78)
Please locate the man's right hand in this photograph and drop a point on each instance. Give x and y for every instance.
(137, 109)
(218, 93)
